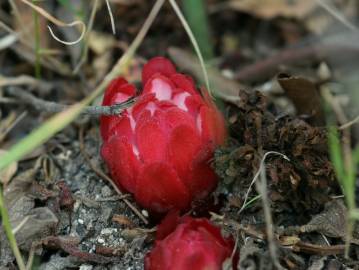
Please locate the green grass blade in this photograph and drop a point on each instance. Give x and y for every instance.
(8, 231)
(193, 41)
(335, 151)
(196, 15)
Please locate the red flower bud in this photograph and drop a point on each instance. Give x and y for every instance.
(194, 244)
(159, 149)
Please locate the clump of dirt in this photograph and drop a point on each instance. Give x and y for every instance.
(298, 187)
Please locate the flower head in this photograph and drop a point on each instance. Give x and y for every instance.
(159, 149)
(194, 244)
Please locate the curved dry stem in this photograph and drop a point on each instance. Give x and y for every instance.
(111, 17)
(69, 25)
(58, 22)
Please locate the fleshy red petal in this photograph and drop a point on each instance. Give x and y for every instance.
(209, 231)
(160, 189)
(201, 178)
(118, 91)
(195, 244)
(168, 224)
(212, 125)
(184, 143)
(159, 65)
(184, 82)
(104, 126)
(179, 99)
(141, 103)
(161, 86)
(112, 89)
(170, 124)
(193, 104)
(176, 117)
(124, 93)
(122, 127)
(123, 163)
(151, 138)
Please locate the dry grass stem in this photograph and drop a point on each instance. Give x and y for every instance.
(58, 22)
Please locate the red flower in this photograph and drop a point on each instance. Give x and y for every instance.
(195, 244)
(159, 149)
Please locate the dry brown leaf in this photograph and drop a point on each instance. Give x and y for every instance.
(305, 97)
(331, 222)
(268, 9)
(7, 173)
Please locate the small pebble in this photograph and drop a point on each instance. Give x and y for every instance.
(101, 241)
(145, 213)
(106, 191)
(86, 267)
(108, 230)
(76, 206)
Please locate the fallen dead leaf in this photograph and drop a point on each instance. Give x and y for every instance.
(305, 97)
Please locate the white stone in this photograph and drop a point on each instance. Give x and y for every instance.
(101, 241)
(86, 267)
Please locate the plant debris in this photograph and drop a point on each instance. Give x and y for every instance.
(301, 185)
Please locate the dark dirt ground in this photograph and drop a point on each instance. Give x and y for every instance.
(278, 59)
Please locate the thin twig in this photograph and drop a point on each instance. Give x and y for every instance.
(350, 123)
(53, 107)
(41, 85)
(13, 124)
(337, 15)
(101, 174)
(30, 259)
(111, 17)
(268, 66)
(262, 190)
(58, 22)
(4, 100)
(21, 224)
